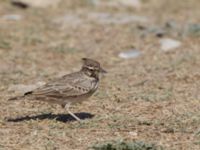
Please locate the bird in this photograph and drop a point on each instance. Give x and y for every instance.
(70, 88)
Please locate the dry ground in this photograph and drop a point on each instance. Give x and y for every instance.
(153, 98)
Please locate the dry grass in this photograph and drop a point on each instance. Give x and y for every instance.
(153, 98)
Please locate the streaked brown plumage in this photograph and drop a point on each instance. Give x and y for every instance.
(70, 88)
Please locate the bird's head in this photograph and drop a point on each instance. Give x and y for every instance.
(92, 68)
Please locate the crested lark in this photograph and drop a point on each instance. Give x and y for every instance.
(70, 88)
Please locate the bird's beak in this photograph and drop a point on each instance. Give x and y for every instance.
(103, 71)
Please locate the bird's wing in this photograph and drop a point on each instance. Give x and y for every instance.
(63, 88)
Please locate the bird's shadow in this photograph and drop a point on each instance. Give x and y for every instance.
(59, 117)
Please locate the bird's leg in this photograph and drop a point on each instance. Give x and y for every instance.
(72, 114)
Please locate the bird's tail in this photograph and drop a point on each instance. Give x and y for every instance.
(16, 98)
(20, 97)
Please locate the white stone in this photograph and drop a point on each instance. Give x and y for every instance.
(130, 54)
(118, 3)
(169, 44)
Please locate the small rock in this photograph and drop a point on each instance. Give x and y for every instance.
(129, 3)
(133, 133)
(19, 4)
(94, 2)
(14, 17)
(169, 44)
(107, 18)
(130, 54)
(155, 30)
(117, 3)
(194, 29)
(171, 24)
(160, 33)
(69, 19)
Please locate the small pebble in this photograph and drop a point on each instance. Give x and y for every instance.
(14, 17)
(130, 54)
(169, 44)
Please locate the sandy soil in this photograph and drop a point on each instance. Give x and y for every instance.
(152, 98)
